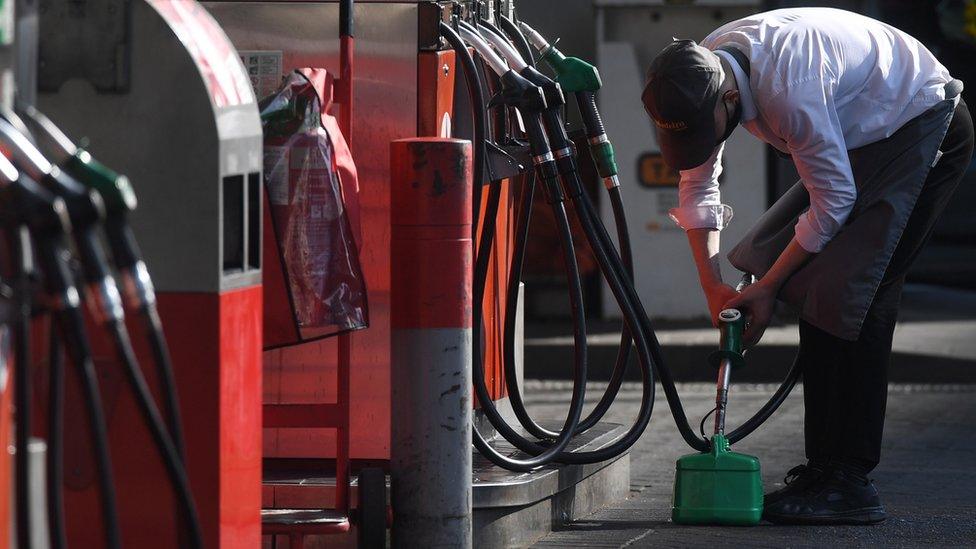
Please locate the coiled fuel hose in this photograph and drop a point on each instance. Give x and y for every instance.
(542, 157)
(623, 237)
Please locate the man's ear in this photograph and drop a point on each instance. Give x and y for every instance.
(733, 95)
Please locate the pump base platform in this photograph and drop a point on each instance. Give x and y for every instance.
(516, 509)
(510, 509)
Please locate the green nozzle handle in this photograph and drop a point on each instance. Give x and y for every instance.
(583, 79)
(115, 189)
(119, 199)
(731, 323)
(572, 73)
(579, 77)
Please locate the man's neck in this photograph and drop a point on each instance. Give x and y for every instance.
(728, 81)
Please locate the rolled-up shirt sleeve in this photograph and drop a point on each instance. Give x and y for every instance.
(699, 200)
(805, 117)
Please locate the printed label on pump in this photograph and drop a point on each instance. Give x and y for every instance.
(264, 69)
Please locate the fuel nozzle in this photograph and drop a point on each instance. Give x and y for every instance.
(729, 355)
(25, 203)
(519, 93)
(583, 79)
(85, 210)
(116, 194)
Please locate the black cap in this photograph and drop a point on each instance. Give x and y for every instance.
(682, 88)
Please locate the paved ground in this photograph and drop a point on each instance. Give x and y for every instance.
(927, 478)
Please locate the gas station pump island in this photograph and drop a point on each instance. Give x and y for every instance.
(325, 208)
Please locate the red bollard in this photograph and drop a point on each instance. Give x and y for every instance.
(431, 267)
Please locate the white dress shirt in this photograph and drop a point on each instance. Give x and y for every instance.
(822, 81)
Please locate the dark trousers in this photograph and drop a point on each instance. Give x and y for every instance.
(845, 383)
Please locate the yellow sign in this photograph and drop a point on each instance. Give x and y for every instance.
(653, 172)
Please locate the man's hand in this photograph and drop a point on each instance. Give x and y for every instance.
(718, 295)
(756, 302)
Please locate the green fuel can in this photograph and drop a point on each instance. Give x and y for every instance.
(718, 487)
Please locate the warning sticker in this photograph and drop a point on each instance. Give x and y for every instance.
(264, 69)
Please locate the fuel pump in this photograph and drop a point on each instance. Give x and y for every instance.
(138, 292)
(60, 289)
(561, 166)
(85, 210)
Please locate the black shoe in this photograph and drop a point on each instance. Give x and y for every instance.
(797, 480)
(838, 498)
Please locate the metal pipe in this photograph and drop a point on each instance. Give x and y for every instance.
(722, 395)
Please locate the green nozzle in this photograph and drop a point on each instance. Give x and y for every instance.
(731, 324)
(115, 189)
(577, 76)
(572, 73)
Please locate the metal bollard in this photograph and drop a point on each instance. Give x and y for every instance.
(431, 298)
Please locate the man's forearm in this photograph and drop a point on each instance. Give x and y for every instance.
(788, 262)
(705, 249)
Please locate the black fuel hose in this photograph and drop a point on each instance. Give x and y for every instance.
(71, 329)
(164, 369)
(20, 255)
(164, 444)
(55, 440)
(633, 313)
(518, 38)
(102, 287)
(86, 211)
(517, 87)
(593, 124)
(125, 253)
(48, 227)
(127, 258)
(618, 373)
(515, 276)
(478, 111)
(554, 192)
(585, 207)
(544, 455)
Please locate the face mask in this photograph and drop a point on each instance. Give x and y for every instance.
(731, 120)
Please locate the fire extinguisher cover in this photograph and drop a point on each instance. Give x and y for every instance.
(316, 289)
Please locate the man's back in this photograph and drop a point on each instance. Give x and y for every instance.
(878, 76)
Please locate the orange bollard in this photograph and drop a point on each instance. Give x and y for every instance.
(431, 263)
